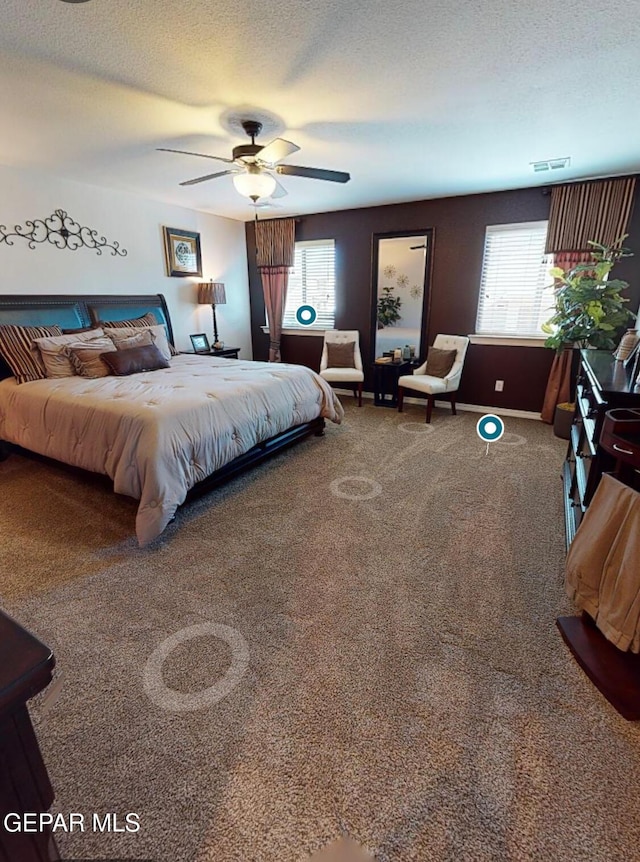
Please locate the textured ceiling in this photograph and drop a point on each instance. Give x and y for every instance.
(415, 99)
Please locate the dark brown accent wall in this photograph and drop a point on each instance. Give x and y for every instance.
(459, 225)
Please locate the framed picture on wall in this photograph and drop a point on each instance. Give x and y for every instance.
(182, 252)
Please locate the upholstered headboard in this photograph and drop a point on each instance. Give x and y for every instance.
(74, 312)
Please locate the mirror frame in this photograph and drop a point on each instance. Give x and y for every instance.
(426, 288)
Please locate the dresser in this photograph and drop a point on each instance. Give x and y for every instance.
(602, 384)
(26, 667)
(614, 672)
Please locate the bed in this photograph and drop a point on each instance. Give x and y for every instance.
(165, 435)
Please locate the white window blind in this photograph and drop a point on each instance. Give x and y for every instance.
(516, 290)
(312, 282)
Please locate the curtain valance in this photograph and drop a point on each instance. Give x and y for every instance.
(275, 242)
(598, 211)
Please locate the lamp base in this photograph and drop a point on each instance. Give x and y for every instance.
(218, 345)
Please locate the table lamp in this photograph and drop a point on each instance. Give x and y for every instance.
(212, 293)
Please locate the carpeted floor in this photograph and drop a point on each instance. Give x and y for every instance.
(356, 639)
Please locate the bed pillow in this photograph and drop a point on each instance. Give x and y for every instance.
(121, 338)
(87, 360)
(125, 340)
(135, 360)
(20, 354)
(54, 355)
(148, 319)
(440, 362)
(341, 354)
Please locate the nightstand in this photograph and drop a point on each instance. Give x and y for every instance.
(226, 352)
(385, 378)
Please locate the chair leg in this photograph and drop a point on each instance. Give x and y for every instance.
(400, 398)
(429, 408)
(360, 394)
(452, 398)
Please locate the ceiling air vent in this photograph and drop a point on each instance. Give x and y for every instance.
(551, 164)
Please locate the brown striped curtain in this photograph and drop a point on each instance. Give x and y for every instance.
(598, 211)
(558, 389)
(275, 252)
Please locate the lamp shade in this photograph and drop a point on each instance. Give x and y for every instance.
(211, 293)
(254, 185)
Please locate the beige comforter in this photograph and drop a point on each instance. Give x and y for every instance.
(158, 434)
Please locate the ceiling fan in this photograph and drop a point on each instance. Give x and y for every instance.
(254, 166)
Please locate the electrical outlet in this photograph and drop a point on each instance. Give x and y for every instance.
(499, 385)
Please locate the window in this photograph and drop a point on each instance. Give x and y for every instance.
(312, 282)
(516, 290)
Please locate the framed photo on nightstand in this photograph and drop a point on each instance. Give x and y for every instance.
(200, 343)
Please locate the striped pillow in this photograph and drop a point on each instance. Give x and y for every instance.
(148, 319)
(87, 358)
(21, 354)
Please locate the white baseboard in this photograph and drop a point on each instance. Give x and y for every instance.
(468, 408)
(500, 411)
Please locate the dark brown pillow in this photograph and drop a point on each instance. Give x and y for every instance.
(440, 362)
(134, 360)
(341, 354)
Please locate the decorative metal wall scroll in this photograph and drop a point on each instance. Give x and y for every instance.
(63, 232)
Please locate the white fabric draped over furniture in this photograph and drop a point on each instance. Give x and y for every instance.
(602, 574)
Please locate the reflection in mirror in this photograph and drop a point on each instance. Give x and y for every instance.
(400, 267)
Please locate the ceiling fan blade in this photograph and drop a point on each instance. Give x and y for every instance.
(276, 150)
(207, 177)
(201, 155)
(314, 173)
(279, 191)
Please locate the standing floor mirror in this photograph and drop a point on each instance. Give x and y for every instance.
(401, 264)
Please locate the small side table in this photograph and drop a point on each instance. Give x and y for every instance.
(226, 352)
(385, 381)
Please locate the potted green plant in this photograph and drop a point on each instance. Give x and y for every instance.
(388, 307)
(589, 308)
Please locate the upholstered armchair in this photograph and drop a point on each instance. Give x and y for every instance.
(343, 376)
(421, 383)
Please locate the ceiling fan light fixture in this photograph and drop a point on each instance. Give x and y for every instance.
(254, 185)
